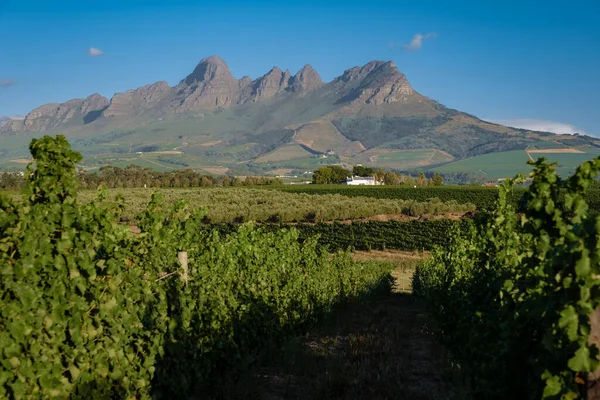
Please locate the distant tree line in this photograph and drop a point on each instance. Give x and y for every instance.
(335, 174)
(134, 176)
(450, 178)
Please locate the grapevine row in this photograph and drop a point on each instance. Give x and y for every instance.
(512, 297)
(91, 311)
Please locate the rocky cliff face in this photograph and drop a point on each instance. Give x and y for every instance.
(306, 80)
(54, 115)
(385, 84)
(135, 101)
(212, 86)
(265, 87)
(375, 83)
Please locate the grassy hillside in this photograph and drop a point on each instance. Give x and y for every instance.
(509, 163)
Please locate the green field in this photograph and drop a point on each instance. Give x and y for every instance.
(509, 163)
(568, 163)
(410, 158)
(493, 166)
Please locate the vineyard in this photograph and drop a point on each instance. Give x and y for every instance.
(512, 297)
(186, 305)
(372, 235)
(92, 311)
(483, 198)
(242, 205)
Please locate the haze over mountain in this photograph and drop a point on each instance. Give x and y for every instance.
(280, 121)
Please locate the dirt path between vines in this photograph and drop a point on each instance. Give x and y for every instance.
(383, 349)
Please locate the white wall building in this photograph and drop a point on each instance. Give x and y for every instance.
(361, 180)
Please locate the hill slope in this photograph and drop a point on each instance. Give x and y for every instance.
(369, 114)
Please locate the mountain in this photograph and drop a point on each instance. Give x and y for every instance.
(54, 115)
(277, 123)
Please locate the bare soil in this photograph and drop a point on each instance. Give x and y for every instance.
(380, 349)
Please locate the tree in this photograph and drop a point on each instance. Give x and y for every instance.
(330, 174)
(359, 170)
(437, 180)
(379, 174)
(391, 178)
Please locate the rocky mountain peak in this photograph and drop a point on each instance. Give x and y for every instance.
(245, 81)
(264, 87)
(306, 79)
(376, 82)
(384, 84)
(286, 76)
(210, 85)
(94, 102)
(209, 69)
(359, 73)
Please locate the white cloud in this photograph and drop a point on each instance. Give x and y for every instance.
(539, 125)
(417, 41)
(94, 52)
(7, 82)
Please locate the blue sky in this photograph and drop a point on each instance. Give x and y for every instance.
(525, 62)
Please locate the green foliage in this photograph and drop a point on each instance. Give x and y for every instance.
(372, 235)
(331, 174)
(136, 177)
(512, 298)
(70, 315)
(359, 170)
(241, 204)
(380, 235)
(482, 197)
(91, 311)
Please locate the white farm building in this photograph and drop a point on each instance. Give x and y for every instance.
(361, 180)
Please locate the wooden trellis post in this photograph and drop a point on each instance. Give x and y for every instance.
(182, 257)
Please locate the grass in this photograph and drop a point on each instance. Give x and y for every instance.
(322, 136)
(382, 348)
(509, 163)
(410, 158)
(567, 163)
(285, 153)
(145, 163)
(309, 163)
(493, 165)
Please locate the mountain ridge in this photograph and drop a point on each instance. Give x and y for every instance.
(369, 114)
(210, 85)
